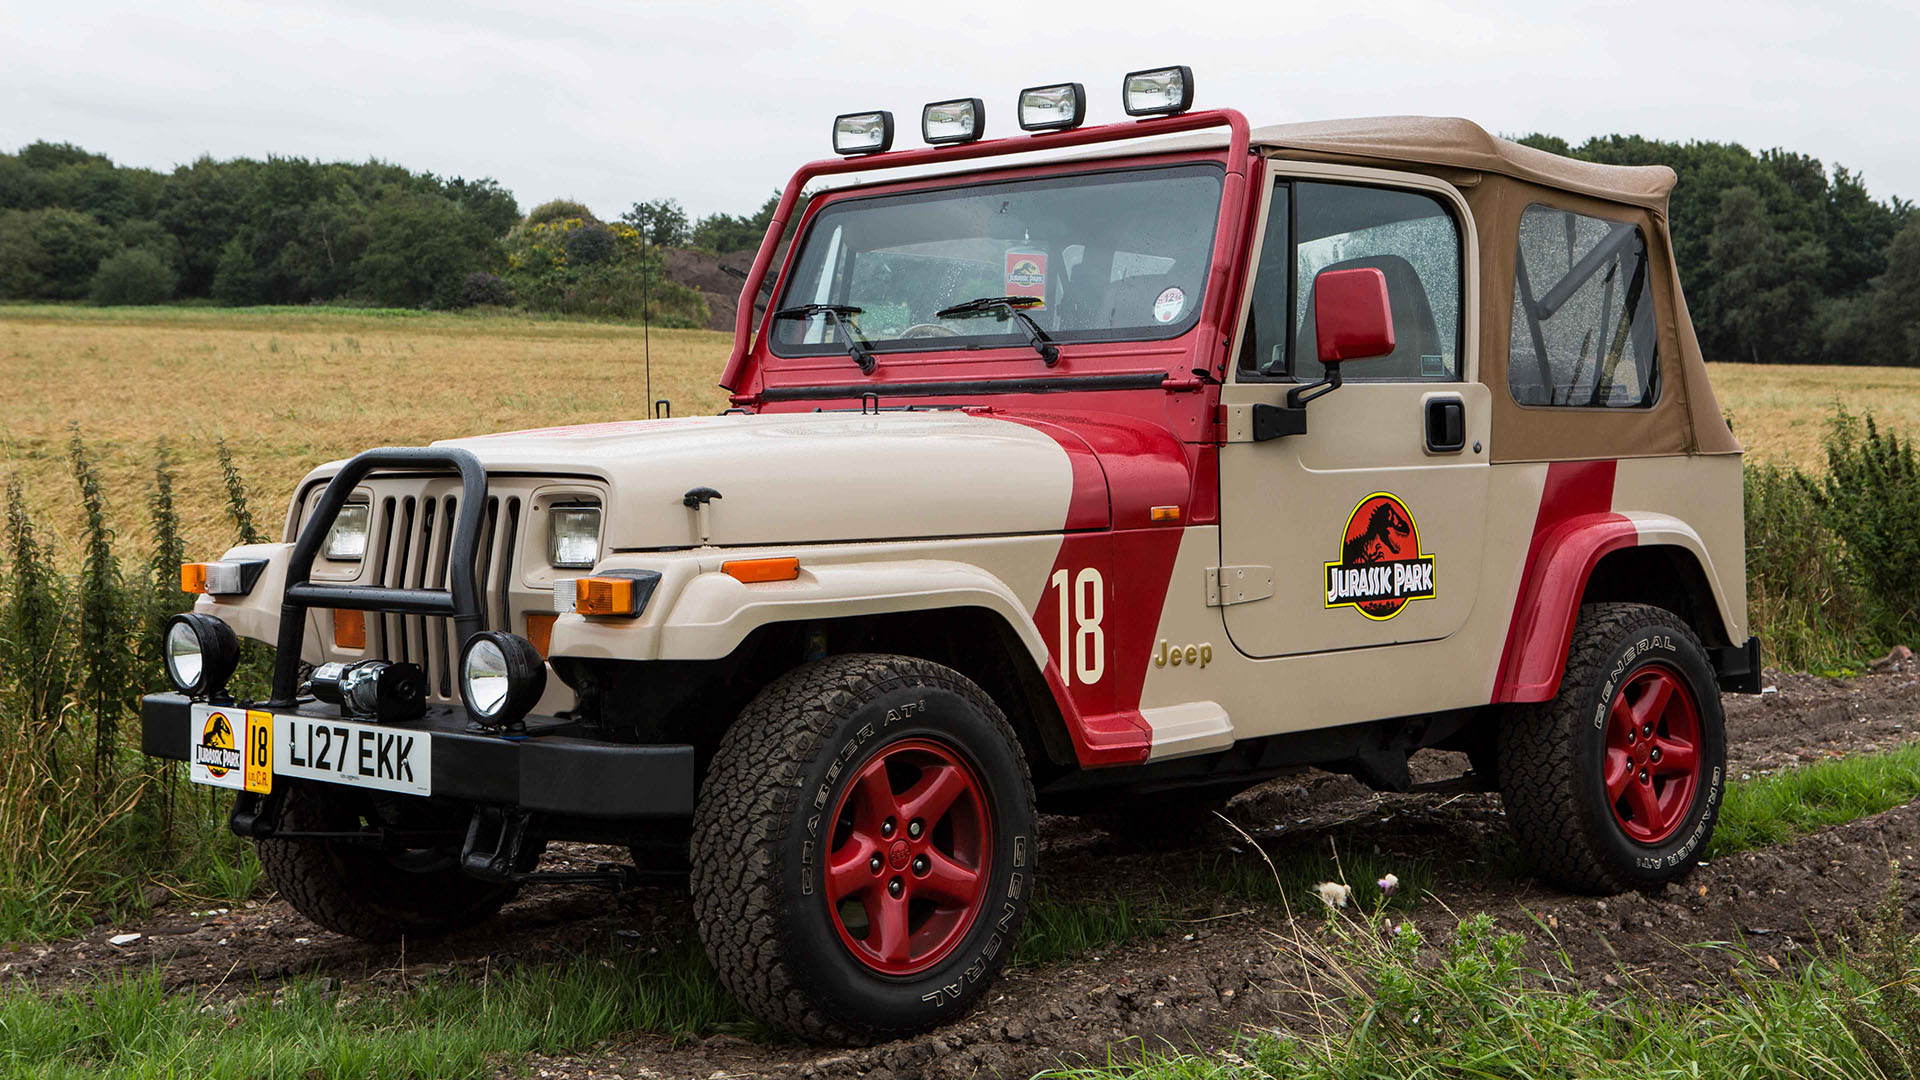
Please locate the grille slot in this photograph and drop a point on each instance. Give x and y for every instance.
(410, 546)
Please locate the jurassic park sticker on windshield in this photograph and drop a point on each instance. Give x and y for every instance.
(1381, 567)
(1026, 273)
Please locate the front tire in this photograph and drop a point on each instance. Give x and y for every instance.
(361, 891)
(863, 848)
(1616, 783)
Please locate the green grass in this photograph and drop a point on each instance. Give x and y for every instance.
(1769, 810)
(438, 1027)
(1386, 1004)
(1062, 928)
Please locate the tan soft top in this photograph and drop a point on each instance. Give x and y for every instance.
(1462, 144)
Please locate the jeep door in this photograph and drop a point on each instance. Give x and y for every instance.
(1368, 525)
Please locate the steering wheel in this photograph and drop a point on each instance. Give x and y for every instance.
(928, 329)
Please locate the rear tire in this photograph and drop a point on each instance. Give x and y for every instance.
(1616, 783)
(360, 891)
(863, 849)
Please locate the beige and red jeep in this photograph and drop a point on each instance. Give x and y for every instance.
(1103, 470)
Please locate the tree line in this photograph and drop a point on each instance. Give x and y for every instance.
(75, 225)
(1783, 260)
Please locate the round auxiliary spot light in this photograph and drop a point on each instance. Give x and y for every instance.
(501, 679)
(200, 653)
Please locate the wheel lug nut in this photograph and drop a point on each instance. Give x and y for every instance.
(874, 864)
(920, 864)
(1632, 735)
(1643, 776)
(886, 827)
(896, 887)
(1647, 731)
(1655, 755)
(915, 828)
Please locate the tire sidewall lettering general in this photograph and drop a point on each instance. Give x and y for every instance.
(865, 996)
(1677, 650)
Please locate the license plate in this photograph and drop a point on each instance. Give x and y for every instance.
(245, 749)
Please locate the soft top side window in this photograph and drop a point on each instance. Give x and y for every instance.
(1583, 328)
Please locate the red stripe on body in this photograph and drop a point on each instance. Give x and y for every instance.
(1574, 528)
(1138, 465)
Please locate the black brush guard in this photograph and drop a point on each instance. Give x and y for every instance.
(560, 770)
(460, 601)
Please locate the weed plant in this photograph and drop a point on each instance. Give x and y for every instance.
(88, 823)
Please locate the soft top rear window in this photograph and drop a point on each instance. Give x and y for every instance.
(1118, 255)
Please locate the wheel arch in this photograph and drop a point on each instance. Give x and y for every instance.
(1639, 558)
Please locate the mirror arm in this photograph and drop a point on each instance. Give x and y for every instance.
(1300, 395)
(1276, 421)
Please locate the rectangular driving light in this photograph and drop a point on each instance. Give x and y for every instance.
(863, 133)
(1159, 91)
(961, 120)
(1053, 108)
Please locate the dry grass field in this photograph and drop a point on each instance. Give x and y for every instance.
(289, 388)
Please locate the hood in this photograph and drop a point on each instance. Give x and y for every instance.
(810, 477)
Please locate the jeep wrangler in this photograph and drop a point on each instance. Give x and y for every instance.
(1111, 482)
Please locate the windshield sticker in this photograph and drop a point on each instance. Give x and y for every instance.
(1169, 304)
(1381, 567)
(1026, 273)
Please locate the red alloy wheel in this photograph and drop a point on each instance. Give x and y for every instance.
(1652, 766)
(911, 853)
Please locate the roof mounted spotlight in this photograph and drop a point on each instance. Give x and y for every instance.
(1059, 107)
(1158, 91)
(961, 120)
(863, 133)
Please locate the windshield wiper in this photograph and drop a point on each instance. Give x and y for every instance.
(837, 315)
(1011, 307)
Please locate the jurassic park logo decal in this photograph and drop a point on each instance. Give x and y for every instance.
(1381, 567)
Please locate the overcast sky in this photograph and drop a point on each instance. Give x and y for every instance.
(715, 103)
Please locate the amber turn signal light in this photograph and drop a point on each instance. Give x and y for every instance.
(349, 629)
(1164, 514)
(605, 596)
(753, 570)
(193, 577)
(540, 632)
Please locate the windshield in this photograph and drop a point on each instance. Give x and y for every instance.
(1111, 256)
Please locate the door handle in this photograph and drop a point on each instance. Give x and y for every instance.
(1446, 424)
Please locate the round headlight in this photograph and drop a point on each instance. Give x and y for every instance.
(501, 678)
(200, 652)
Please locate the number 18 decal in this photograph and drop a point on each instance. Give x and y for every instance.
(1082, 606)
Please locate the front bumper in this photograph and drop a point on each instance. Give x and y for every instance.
(551, 771)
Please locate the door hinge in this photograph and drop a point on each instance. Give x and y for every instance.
(1238, 584)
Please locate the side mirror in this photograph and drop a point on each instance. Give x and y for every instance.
(1352, 320)
(1352, 317)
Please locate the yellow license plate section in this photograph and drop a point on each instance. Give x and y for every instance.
(231, 748)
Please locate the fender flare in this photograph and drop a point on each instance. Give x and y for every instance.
(700, 613)
(1558, 569)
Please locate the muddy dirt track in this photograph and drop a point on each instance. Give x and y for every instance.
(1200, 985)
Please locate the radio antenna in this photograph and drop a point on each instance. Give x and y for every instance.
(646, 323)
